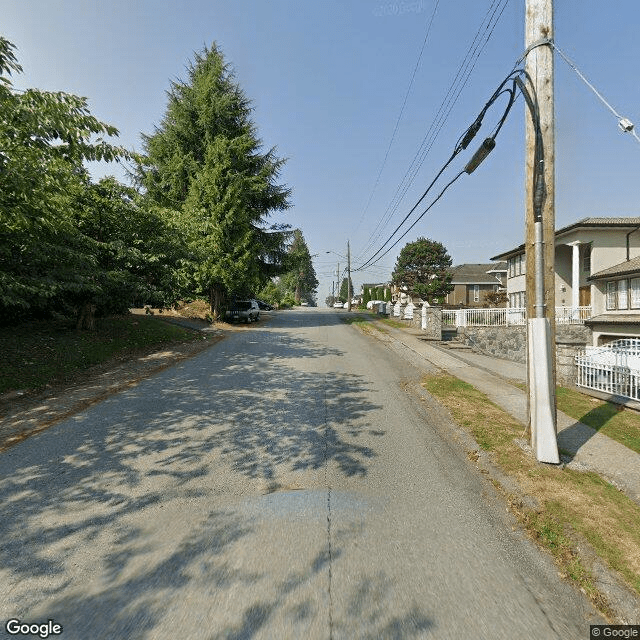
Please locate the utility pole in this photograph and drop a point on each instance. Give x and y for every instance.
(540, 231)
(349, 292)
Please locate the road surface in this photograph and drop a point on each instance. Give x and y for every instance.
(285, 483)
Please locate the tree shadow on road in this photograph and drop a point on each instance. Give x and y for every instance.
(86, 498)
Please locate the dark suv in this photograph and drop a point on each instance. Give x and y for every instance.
(247, 310)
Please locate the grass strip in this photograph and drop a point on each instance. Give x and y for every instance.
(570, 501)
(615, 421)
(37, 354)
(393, 323)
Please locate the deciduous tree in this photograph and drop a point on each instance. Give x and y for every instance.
(45, 261)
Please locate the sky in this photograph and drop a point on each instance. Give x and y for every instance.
(349, 90)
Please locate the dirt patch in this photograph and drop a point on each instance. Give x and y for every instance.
(23, 415)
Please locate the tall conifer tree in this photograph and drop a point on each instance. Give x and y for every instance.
(206, 162)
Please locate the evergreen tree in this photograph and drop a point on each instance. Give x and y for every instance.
(422, 270)
(205, 162)
(344, 295)
(300, 278)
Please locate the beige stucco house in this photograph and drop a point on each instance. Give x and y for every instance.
(597, 266)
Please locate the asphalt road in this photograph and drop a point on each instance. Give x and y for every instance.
(282, 484)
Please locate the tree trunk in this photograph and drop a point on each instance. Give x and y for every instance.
(87, 317)
(216, 300)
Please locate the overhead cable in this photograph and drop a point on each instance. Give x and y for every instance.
(453, 93)
(399, 118)
(624, 123)
(463, 142)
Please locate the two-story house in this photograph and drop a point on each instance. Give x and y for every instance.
(472, 282)
(597, 275)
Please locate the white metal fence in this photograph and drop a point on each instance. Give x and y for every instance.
(508, 316)
(613, 379)
(612, 368)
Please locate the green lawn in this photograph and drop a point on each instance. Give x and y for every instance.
(612, 420)
(35, 354)
(570, 500)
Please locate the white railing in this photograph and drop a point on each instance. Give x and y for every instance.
(572, 315)
(508, 316)
(609, 378)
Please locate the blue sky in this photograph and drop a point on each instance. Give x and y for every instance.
(328, 79)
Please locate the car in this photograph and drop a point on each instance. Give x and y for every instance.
(264, 306)
(247, 310)
(338, 305)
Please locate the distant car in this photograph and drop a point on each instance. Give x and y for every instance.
(338, 305)
(264, 306)
(304, 304)
(247, 310)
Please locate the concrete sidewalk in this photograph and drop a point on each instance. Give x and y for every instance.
(589, 449)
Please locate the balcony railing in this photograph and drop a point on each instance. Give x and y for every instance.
(508, 316)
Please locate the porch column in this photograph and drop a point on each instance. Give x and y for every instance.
(575, 276)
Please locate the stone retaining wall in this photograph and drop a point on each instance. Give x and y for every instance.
(433, 320)
(510, 343)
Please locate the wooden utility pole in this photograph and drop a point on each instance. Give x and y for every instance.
(349, 292)
(540, 230)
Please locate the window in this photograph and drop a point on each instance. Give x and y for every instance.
(611, 295)
(476, 292)
(635, 293)
(623, 289)
(516, 265)
(586, 259)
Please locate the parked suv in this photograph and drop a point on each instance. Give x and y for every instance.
(246, 310)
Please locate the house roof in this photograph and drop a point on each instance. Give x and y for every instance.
(474, 274)
(614, 318)
(585, 223)
(600, 222)
(622, 269)
(499, 267)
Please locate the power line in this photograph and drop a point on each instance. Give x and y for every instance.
(462, 143)
(417, 219)
(404, 103)
(451, 97)
(624, 123)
